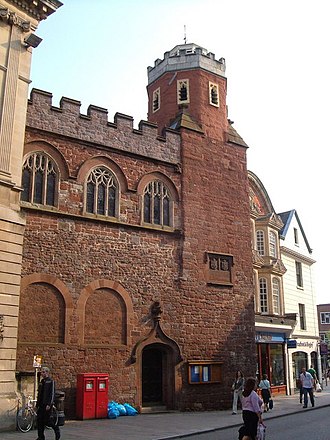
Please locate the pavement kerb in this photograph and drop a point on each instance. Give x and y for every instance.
(221, 428)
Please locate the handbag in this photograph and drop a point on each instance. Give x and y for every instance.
(261, 432)
(271, 404)
(318, 387)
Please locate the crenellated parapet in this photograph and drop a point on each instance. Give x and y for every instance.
(94, 127)
(184, 57)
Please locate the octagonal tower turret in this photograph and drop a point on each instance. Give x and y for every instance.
(189, 80)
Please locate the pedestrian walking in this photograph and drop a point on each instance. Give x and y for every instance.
(266, 395)
(307, 383)
(312, 371)
(45, 401)
(252, 411)
(237, 388)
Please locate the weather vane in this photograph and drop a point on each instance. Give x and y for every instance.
(185, 35)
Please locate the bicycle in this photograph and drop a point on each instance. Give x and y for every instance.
(27, 416)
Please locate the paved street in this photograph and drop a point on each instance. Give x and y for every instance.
(315, 425)
(176, 425)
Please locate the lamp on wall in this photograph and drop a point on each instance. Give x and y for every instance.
(32, 40)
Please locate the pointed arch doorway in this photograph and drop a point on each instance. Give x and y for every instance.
(157, 358)
(156, 376)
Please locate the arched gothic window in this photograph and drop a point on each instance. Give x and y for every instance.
(263, 295)
(102, 192)
(156, 204)
(39, 179)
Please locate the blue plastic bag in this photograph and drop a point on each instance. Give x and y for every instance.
(130, 411)
(122, 410)
(113, 411)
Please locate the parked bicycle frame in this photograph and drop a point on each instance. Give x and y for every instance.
(26, 417)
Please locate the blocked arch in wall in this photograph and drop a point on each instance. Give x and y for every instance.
(117, 291)
(59, 288)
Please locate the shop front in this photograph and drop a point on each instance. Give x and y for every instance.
(304, 353)
(271, 359)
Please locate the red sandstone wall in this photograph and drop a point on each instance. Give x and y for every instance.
(207, 322)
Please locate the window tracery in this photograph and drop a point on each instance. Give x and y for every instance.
(39, 179)
(101, 192)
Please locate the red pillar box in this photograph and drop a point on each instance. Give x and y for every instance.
(92, 395)
(86, 396)
(102, 388)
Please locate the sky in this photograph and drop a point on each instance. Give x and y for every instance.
(98, 51)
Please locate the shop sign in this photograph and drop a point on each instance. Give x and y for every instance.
(305, 344)
(323, 348)
(292, 343)
(268, 337)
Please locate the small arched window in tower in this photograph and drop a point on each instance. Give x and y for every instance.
(102, 192)
(183, 91)
(214, 94)
(156, 100)
(156, 204)
(39, 179)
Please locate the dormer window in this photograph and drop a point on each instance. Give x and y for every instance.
(183, 91)
(214, 94)
(156, 100)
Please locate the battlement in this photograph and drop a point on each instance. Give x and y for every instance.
(94, 127)
(186, 56)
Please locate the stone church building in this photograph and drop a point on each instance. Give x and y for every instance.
(137, 255)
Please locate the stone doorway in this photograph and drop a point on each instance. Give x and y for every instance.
(152, 376)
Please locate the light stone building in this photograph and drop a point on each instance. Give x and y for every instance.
(285, 300)
(18, 21)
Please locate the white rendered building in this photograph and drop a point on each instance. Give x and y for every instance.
(299, 297)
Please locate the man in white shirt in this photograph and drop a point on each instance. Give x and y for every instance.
(307, 383)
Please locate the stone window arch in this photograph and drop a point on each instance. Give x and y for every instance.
(159, 201)
(102, 192)
(40, 179)
(157, 204)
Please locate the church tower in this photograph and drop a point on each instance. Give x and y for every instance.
(187, 93)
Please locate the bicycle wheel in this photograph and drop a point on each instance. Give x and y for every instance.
(25, 419)
(53, 418)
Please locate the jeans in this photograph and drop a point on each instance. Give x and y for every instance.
(237, 395)
(311, 396)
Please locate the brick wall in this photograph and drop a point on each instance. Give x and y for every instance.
(108, 273)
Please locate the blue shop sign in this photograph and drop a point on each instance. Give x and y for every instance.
(270, 338)
(292, 343)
